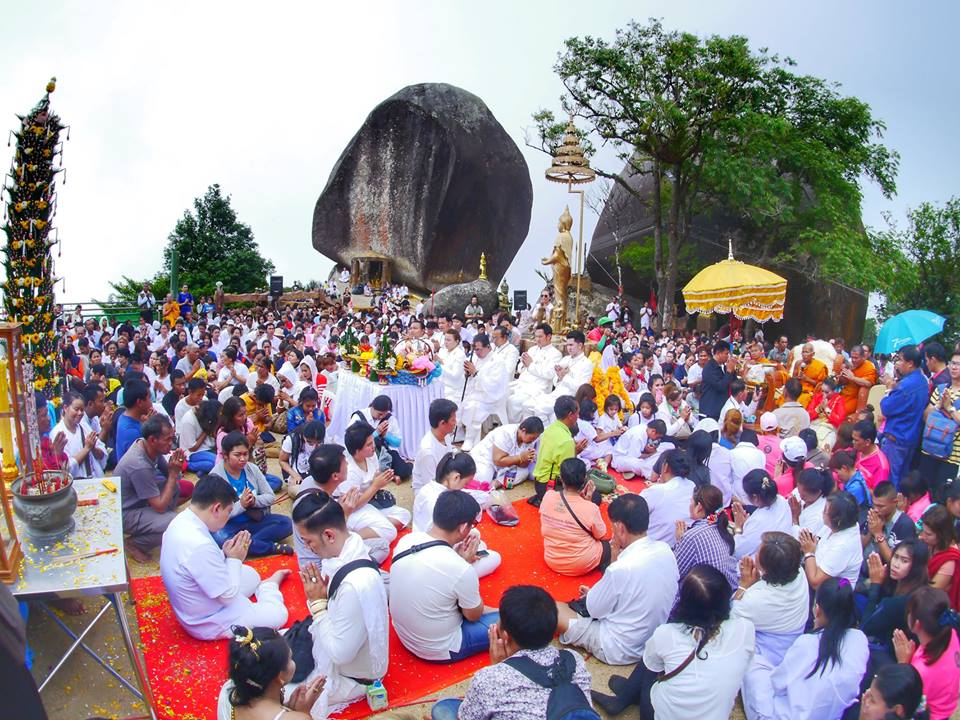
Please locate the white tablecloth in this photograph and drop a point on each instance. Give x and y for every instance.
(411, 406)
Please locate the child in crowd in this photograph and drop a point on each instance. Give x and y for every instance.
(454, 471)
(913, 486)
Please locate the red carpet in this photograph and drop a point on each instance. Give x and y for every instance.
(186, 674)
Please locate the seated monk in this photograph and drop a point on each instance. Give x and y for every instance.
(857, 380)
(811, 372)
(827, 412)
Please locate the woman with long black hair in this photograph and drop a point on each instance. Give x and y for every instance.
(820, 675)
(895, 694)
(694, 663)
(890, 588)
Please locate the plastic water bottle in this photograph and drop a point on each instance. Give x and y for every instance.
(377, 696)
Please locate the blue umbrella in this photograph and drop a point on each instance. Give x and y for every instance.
(908, 328)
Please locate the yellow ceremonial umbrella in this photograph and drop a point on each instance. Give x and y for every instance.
(731, 286)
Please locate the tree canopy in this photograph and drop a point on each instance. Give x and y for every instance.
(211, 244)
(719, 125)
(926, 276)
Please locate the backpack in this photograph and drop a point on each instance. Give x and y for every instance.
(566, 700)
(939, 432)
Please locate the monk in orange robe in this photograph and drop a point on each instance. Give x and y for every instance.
(811, 372)
(861, 374)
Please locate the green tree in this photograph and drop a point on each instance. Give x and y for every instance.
(926, 276)
(212, 244)
(715, 123)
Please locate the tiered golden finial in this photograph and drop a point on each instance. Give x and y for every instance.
(569, 163)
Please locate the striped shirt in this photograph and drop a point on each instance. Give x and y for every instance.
(702, 544)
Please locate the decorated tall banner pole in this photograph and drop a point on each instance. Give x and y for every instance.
(27, 257)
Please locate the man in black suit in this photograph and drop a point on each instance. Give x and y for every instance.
(715, 385)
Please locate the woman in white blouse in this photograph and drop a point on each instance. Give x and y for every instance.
(839, 552)
(808, 501)
(84, 449)
(772, 513)
(820, 674)
(694, 663)
(774, 596)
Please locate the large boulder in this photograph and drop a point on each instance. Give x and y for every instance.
(430, 181)
(454, 298)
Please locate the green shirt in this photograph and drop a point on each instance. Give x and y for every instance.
(556, 445)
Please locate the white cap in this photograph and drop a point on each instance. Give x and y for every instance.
(793, 448)
(768, 422)
(707, 424)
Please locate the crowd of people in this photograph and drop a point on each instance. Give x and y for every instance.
(793, 543)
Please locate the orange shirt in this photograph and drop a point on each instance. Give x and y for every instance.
(567, 549)
(851, 391)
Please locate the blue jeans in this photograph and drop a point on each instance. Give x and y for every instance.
(445, 709)
(263, 534)
(899, 455)
(274, 482)
(201, 462)
(473, 636)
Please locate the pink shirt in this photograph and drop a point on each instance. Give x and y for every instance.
(875, 469)
(916, 509)
(770, 445)
(941, 681)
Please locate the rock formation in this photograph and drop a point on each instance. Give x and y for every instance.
(454, 298)
(430, 181)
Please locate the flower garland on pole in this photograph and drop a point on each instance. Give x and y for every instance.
(31, 205)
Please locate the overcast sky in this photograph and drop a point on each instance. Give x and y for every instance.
(167, 98)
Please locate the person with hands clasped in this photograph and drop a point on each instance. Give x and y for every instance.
(260, 666)
(363, 472)
(435, 592)
(209, 587)
(838, 552)
(251, 512)
(771, 513)
(932, 621)
(348, 602)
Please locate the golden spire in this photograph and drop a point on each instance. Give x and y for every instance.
(569, 163)
(483, 267)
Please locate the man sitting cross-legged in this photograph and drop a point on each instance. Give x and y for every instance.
(348, 602)
(434, 590)
(634, 596)
(210, 587)
(328, 470)
(528, 618)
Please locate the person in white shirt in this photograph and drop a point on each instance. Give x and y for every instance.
(442, 416)
(720, 461)
(669, 498)
(573, 370)
(744, 457)
(209, 587)
(452, 358)
(364, 473)
(196, 393)
(638, 449)
(85, 451)
(328, 470)
(773, 594)
(537, 375)
(737, 400)
(634, 595)
(693, 664)
(506, 456)
(415, 344)
(820, 675)
(348, 603)
(772, 513)
(96, 415)
(808, 501)
(191, 364)
(455, 471)
(505, 352)
(434, 591)
(232, 372)
(486, 392)
(197, 430)
(839, 552)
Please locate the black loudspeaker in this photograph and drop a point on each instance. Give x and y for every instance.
(276, 285)
(519, 300)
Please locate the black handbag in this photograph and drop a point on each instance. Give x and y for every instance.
(383, 499)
